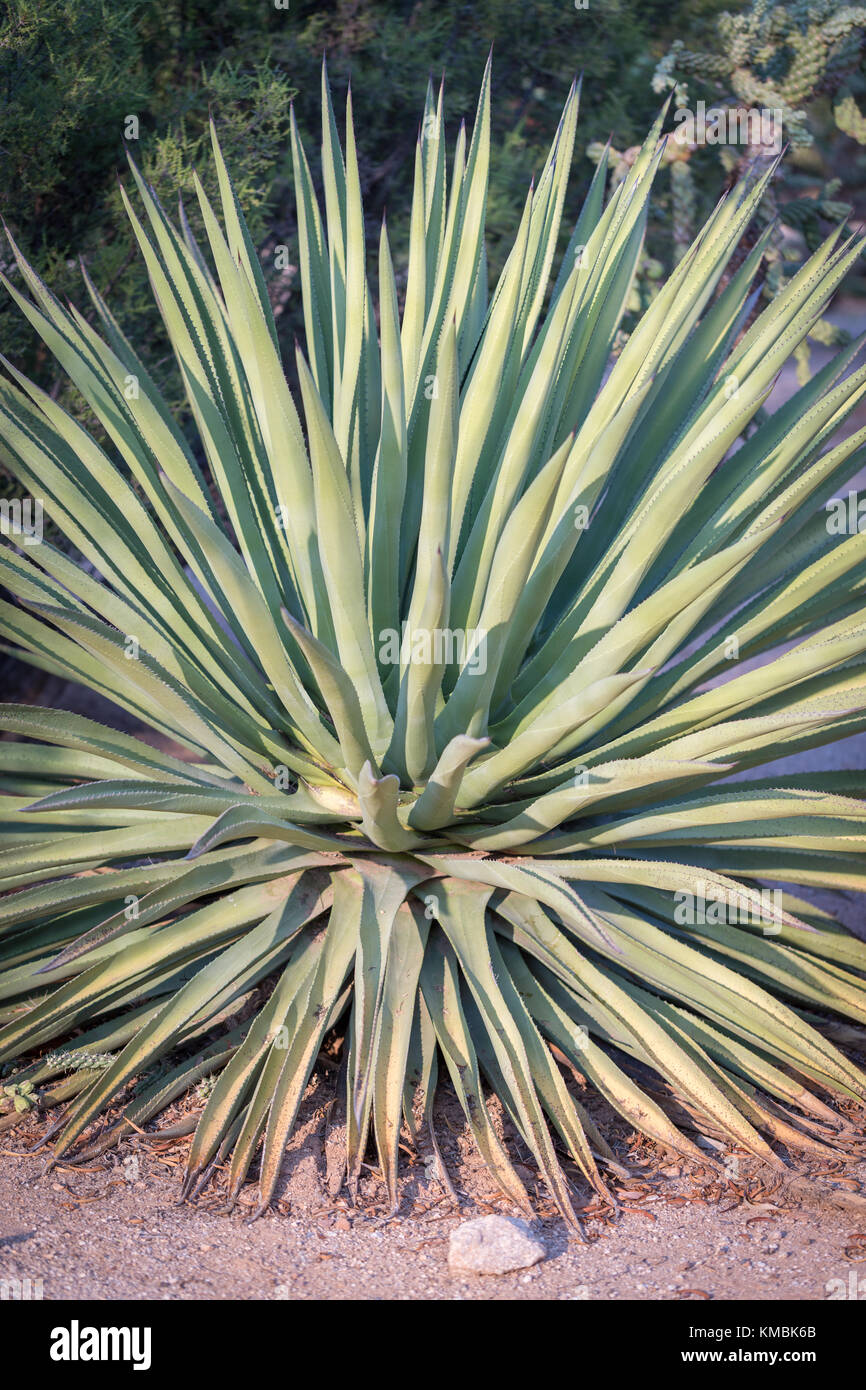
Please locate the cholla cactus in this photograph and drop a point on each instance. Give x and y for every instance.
(849, 118)
(448, 684)
(776, 58)
(22, 1096)
(781, 57)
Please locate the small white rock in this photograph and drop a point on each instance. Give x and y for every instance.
(494, 1245)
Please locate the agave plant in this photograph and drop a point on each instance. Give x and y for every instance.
(449, 675)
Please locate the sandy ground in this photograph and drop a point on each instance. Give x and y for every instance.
(114, 1230)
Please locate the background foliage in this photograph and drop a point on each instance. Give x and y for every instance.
(72, 71)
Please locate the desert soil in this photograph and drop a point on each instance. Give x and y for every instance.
(114, 1229)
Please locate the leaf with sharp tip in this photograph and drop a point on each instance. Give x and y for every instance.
(413, 748)
(343, 566)
(435, 806)
(565, 1025)
(237, 1078)
(389, 472)
(132, 963)
(69, 853)
(385, 889)
(214, 873)
(303, 904)
(251, 611)
(399, 992)
(415, 302)
(242, 246)
(461, 913)
(146, 677)
(441, 990)
(78, 732)
(242, 822)
(607, 999)
(339, 696)
(536, 879)
(335, 961)
(315, 274)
